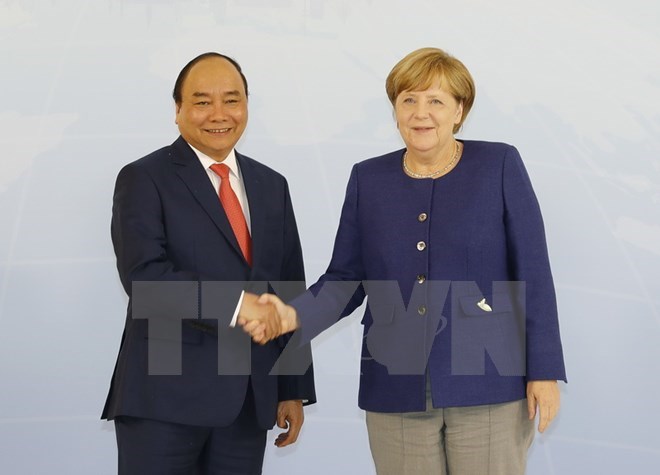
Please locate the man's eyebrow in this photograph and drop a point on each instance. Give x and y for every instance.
(227, 93)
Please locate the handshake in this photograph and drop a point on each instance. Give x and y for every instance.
(266, 317)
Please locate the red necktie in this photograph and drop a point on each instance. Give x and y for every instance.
(233, 211)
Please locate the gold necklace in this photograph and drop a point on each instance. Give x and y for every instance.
(437, 172)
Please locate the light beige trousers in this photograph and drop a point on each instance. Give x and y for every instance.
(476, 440)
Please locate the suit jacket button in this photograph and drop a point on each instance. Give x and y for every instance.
(421, 310)
(422, 217)
(421, 278)
(421, 245)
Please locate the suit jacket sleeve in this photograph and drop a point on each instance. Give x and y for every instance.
(294, 386)
(140, 239)
(529, 262)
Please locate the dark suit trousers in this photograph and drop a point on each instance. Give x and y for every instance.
(148, 447)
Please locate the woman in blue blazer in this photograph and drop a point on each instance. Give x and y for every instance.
(445, 239)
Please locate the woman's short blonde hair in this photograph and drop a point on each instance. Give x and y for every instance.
(419, 69)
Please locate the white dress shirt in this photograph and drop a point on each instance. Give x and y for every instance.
(236, 181)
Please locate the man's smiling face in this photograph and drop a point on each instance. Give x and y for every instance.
(213, 112)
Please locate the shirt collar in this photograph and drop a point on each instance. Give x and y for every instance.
(207, 161)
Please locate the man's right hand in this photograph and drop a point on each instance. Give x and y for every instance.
(260, 327)
(261, 315)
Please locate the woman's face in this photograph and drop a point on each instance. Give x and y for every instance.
(426, 119)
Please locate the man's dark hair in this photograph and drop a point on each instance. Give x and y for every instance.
(176, 93)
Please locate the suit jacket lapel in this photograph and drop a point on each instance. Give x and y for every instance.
(192, 173)
(255, 196)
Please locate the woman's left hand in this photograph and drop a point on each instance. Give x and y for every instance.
(545, 396)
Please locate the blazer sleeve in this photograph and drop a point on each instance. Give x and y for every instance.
(529, 262)
(339, 291)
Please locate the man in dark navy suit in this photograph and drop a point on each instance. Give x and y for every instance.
(202, 222)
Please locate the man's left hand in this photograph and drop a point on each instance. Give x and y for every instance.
(289, 415)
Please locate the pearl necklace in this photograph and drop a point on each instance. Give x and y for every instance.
(437, 172)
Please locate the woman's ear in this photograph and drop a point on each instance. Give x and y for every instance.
(459, 113)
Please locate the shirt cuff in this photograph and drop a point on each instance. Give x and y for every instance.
(232, 324)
